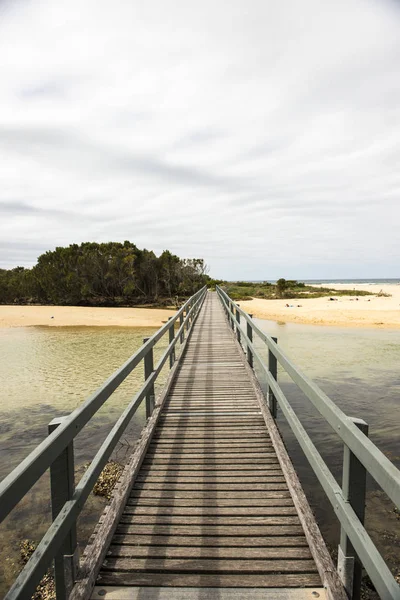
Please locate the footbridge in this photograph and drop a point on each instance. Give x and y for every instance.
(209, 505)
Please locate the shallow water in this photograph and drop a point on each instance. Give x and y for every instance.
(47, 372)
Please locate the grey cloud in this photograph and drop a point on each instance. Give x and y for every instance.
(59, 142)
(222, 140)
(42, 90)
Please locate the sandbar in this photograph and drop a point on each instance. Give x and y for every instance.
(368, 311)
(76, 316)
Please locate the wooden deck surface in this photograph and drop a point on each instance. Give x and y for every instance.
(210, 508)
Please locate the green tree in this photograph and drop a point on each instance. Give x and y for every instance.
(281, 287)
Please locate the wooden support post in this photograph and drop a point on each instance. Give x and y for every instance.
(148, 369)
(250, 336)
(238, 325)
(183, 329)
(62, 485)
(232, 321)
(188, 319)
(171, 333)
(354, 489)
(273, 369)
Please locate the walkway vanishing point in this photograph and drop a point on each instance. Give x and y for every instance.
(209, 506)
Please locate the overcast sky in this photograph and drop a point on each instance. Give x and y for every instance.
(262, 135)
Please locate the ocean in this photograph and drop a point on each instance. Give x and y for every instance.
(369, 281)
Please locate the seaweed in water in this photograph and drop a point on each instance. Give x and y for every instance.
(108, 479)
(46, 589)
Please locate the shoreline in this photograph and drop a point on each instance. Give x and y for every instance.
(81, 316)
(367, 312)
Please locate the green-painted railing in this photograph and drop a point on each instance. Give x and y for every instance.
(360, 456)
(56, 453)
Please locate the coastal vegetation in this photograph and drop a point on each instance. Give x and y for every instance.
(283, 288)
(107, 274)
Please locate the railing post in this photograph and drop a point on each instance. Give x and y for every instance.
(354, 487)
(183, 329)
(62, 486)
(148, 369)
(188, 319)
(273, 369)
(250, 336)
(238, 325)
(231, 315)
(171, 332)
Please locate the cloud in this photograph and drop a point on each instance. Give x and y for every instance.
(264, 140)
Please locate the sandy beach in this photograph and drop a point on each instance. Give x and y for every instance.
(64, 316)
(346, 311)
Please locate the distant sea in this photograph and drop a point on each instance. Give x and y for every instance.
(371, 280)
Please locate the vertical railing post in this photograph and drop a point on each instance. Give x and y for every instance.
(273, 369)
(238, 325)
(188, 318)
(231, 315)
(354, 488)
(171, 336)
(62, 485)
(250, 336)
(148, 369)
(183, 329)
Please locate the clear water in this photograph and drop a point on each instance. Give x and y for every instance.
(47, 372)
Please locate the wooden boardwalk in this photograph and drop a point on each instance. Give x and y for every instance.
(212, 511)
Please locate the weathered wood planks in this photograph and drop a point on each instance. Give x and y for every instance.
(210, 505)
(210, 512)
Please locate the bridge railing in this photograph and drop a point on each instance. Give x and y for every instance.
(360, 456)
(56, 453)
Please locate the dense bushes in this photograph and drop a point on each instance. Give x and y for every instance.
(108, 274)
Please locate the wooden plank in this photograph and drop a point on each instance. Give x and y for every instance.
(251, 495)
(202, 459)
(279, 484)
(284, 580)
(209, 511)
(221, 455)
(216, 541)
(159, 501)
(207, 472)
(226, 566)
(225, 521)
(232, 469)
(207, 552)
(209, 593)
(215, 529)
(207, 445)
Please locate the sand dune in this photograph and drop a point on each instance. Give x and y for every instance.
(346, 311)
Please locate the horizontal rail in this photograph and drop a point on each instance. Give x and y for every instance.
(18, 483)
(367, 552)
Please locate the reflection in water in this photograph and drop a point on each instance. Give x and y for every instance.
(47, 372)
